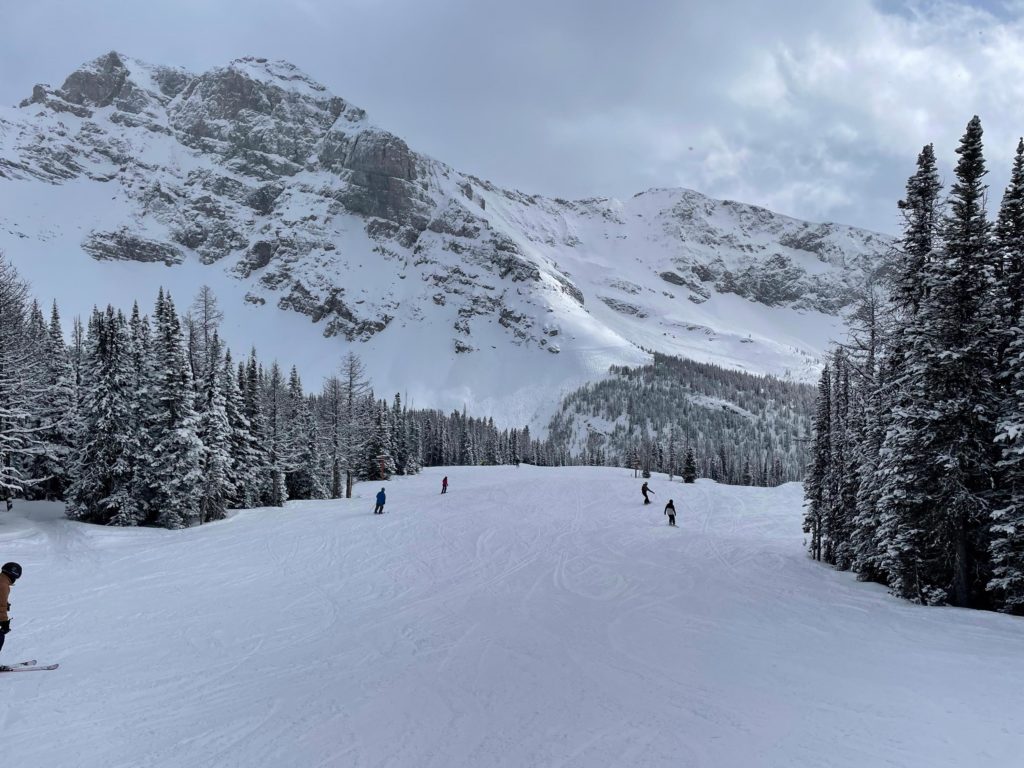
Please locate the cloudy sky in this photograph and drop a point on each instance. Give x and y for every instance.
(814, 109)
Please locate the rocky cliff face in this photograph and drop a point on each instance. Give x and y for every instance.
(259, 172)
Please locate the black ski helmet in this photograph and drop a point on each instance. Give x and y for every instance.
(11, 570)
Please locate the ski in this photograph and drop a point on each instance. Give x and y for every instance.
(21, 664)
(29, 668)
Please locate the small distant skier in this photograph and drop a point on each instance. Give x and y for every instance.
(670, 510)
(381, 498)
(645, 490)
(444, 485)
(9, 574)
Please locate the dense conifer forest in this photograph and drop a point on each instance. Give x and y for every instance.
(739, 428)
(917, 474)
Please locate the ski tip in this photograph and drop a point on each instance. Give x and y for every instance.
(28, 668)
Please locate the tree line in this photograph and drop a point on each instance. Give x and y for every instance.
(150, 420)
(916, 478)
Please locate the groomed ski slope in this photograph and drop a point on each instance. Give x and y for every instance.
(531, 617)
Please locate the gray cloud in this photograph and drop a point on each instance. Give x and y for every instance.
(813, 109)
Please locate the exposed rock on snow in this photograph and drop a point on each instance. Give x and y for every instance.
(124, 245)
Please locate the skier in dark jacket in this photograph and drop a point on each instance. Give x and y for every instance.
(9, 574)
(444, 485)
(381, 498)
(645, 490)
(670, 510)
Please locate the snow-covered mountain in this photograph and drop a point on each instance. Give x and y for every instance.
(296, 207)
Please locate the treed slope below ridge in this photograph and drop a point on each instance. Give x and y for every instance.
(256, 180)
(741, 428)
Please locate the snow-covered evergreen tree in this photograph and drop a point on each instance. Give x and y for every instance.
(413, 445)
(840, 507)
(278, 448)
(908, 478)
(379, 459)
(302, 444)
(175, 472)
(311, 456)
(816, 486)
(1007, 545)
(689, 466)
(1009, 244)
(398, 430)
(870, 385)
(242, 453)
(101, 485)
(215, 434)
(952, 355)
(142, 405)
(58, 415)
(260, 486)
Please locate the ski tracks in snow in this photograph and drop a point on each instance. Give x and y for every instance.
(529, 617)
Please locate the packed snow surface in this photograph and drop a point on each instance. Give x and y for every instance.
(530, 617)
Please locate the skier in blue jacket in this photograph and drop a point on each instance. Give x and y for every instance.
(381, 498)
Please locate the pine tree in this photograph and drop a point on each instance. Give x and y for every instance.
(467, 444)
(278, 448)
(515, 453)
(398, 431)
(1009, 244)
(242, 453)
(176, 468)
(897, 486)
(310, 455)
(748, 476)
(379, 461)
(840, 507)
(302, 444)
(295, 428)
(214, 430)
(870, 384)
(816, 486)
(414, 445)
(672, 455)
(491, 457)
(101, 484)
(1007, 546)
(937, 455)
(922, 216)
(58, 419)
(689, 466)
(143, 416)
(260, 486)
